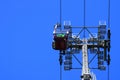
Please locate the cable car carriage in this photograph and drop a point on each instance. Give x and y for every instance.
(60, 38)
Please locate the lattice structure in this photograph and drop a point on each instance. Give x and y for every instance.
(69, 44)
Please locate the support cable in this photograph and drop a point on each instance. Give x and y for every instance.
(84, 17)
(60, 72)
(108, 61)
(60, 61)
(109, 6)
(60, 13)
(108, 73)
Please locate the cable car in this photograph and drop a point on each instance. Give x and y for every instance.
(60, 41)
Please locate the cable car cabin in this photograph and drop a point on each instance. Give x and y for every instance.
(60, 41)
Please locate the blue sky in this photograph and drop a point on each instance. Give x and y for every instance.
(26, 28)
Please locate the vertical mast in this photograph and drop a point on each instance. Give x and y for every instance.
(85, 68)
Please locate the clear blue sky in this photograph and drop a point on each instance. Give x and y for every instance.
(26, 28)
